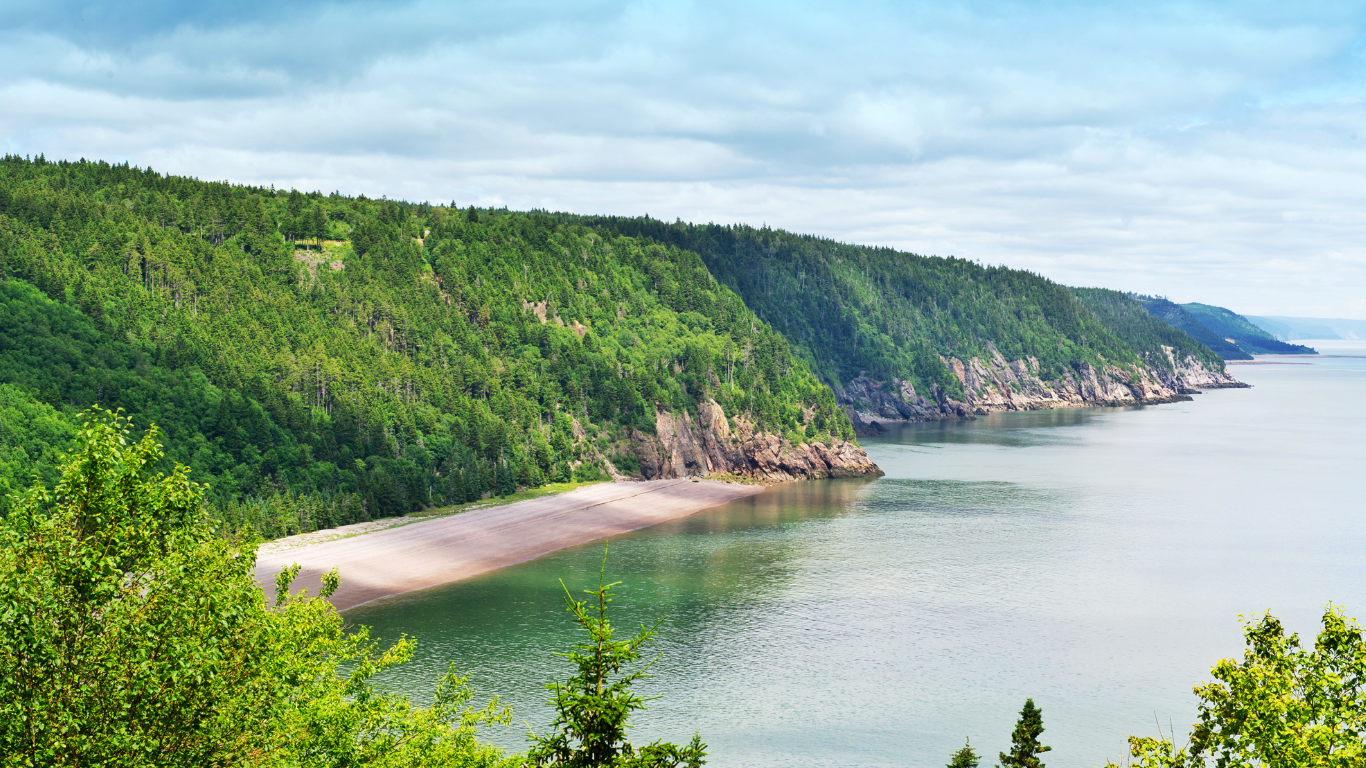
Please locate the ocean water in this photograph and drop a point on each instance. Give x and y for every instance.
(1096, 560)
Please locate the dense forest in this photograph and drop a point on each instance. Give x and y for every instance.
(1144, 332)
(318, 360)
(851, 310)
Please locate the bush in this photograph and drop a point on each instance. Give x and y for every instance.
(1282, 705)
(131, 634)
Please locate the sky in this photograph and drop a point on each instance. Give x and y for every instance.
(1211, 152)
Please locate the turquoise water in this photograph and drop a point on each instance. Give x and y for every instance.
(1096, 560)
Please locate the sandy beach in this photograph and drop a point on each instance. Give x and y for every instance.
(425, 554)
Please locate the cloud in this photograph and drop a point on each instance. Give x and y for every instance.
(1204, 151)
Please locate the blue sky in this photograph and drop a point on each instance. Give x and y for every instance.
(1209, 152)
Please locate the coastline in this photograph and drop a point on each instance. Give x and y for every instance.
(391, 561)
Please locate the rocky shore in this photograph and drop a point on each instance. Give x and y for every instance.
(996, 384)
(706, 444)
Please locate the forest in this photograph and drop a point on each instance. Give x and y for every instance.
(853, 310)
(1144, 331)
(318, 359)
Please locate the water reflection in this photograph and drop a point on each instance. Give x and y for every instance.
(712, 575)
(1017, 428)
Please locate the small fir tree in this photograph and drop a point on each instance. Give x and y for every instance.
(592, 708)
(1024, 742)
(965, 757)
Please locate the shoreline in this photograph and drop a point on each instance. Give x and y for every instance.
(872, 425)
(428, 553)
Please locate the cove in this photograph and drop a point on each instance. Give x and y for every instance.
(1096, 560)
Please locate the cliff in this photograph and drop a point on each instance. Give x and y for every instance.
(708, 443)
(995, 384)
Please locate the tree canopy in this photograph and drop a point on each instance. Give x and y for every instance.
(851, 309)
(318, 359)
(133, 634)
(1281, 705)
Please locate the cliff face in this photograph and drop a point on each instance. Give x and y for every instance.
(688, 446)
(997, 385)
(1190, 374)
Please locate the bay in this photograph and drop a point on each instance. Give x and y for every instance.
(1096, 560)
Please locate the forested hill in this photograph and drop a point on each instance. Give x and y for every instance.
(1177, 317)
(321, 359)
(1248, 336)
(863, 317)
(1158, 342)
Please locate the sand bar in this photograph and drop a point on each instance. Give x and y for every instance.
(445, 549)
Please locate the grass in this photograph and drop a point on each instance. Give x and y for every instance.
(740, 479)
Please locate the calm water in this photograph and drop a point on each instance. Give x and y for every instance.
(1096, 560)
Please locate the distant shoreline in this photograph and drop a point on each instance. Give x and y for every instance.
(433, 552)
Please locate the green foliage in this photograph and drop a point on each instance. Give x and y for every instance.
(32, 437)
(1249, 337)
(1177, 317)
(1145, 333)
(1025, 747)
(594, 704)
(851, 309)
(432, 357)
(965, 757)
(134, 635)
(1281, 706)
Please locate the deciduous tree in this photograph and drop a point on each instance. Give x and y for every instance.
(1283, 705)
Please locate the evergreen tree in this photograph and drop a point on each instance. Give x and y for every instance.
(483, 347)
(318, 225)
(1024, 742)
(965, 757)
(593, 709)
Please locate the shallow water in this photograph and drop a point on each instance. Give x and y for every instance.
(1096, 560)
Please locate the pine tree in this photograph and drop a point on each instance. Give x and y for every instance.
(1024, 742)
(595, 703)
(965, 757)
(318, 225)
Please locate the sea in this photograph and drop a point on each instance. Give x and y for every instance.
(1099, 561)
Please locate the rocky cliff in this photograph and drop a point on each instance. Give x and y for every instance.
(708, 443)
(997, 385)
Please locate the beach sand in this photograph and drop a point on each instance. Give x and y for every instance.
(424, 554)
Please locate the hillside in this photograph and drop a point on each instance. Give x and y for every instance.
(1176, 354)
(902, 336)
(1249, 338)
(1177, 317)
(322, 359)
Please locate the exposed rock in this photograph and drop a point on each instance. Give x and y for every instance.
(710, 444)
(1192, 376)
(998, 385)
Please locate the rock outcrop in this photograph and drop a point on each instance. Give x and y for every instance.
(1190, 375)
(710, 444)
(997, 385)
